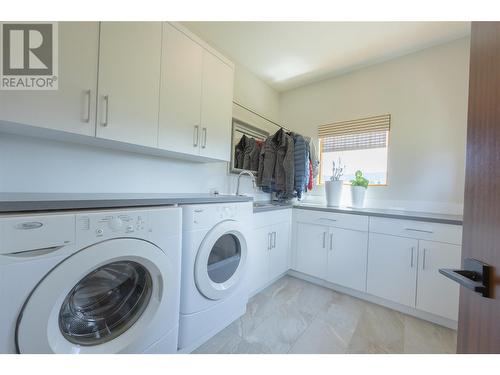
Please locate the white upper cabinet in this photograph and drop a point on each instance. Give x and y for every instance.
(392, 268)
(435, 293)
(129, 82)
(71, 108)
(180, 92)
(216, 108)
(347, 257)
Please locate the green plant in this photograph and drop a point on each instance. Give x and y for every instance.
(360, 180)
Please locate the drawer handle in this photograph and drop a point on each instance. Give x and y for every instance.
(324, 218)
(419, 230)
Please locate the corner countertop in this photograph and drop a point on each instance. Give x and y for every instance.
(24, 202)
(389, 213)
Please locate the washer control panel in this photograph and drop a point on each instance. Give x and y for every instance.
(112, 224)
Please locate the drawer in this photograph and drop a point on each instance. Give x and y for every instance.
(417, 229)
(332, 219)
(265, 218)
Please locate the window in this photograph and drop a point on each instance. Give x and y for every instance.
(360, 145)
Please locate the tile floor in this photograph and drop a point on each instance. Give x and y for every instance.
(294, 316)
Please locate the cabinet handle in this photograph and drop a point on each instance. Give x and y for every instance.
(419, 230)
(196, 135)
(331, 241)
(423, 259)
(274, 240)
(269, 241)
(324, 240)
(106, 112)
(88, 94)
(324, 218)
(204, 145)
(411, 259)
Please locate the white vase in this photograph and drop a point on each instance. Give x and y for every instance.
(358, 196)
(333, 190)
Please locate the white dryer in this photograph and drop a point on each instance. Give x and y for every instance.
(90, 281)
(214, 261)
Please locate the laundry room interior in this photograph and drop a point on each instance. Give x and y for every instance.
(221, 187)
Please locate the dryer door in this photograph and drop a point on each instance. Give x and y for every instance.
(221, 260)
(103, 299)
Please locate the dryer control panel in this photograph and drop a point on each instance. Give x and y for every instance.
(104, 225)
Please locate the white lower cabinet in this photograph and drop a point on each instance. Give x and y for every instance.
(311, 249)
(269, 255)
(392, 268)
(347, 253)
(435, 293)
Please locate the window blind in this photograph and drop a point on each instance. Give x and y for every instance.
(370, 132)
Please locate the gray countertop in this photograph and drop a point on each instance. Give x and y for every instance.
(379, 212)
(23, 202)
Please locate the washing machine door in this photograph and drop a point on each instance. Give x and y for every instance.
(102, 299)
(221, 260)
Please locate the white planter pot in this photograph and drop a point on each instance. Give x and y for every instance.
(333, 190)
(358, 196)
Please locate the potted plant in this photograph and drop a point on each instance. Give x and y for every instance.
(358, 189)
(333, 188)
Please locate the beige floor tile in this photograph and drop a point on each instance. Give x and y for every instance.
(320, 338)
(421, 337)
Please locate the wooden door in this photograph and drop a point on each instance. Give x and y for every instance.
(180, 92)
(129, 82)
(479, 317)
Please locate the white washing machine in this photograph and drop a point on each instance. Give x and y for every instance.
(90, 281)
(214, 261)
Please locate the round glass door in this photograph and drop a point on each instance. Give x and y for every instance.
(224, 258)
(105, 303)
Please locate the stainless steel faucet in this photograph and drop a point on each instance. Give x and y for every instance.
(248, 173)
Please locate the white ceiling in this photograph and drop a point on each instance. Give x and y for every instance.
(287, 55)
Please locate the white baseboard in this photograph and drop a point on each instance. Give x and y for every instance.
(445, 322)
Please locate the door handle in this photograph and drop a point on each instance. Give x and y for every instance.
(88, 95)
(324, 240)
(475, 276)
(411, 256)
(204, 133)
(106, 112)
(196, 135)
(331, 241)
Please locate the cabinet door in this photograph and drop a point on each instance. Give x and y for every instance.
(258, 259)
(71, 108)
(279, 255)
(180, 92)
(311, 245)
(435, 293)
(129, 82)
(347, 257)
(392, 268)
(216, 108)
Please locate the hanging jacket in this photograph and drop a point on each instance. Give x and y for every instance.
(251, 155)
(311, 178)
(276, 165)
(239, 152)
(300, 163)
(313, 156)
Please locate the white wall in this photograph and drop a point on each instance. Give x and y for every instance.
(426, 94)
(38, 165)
